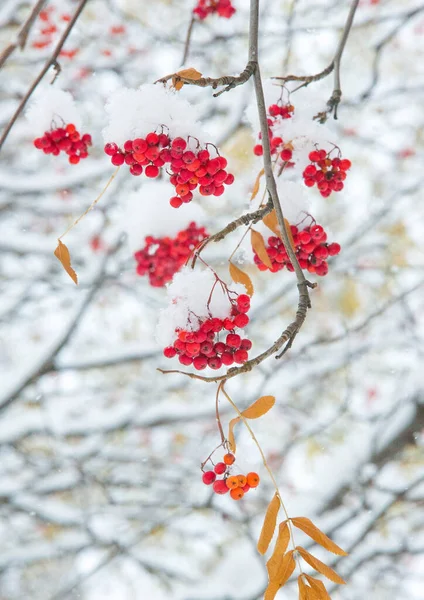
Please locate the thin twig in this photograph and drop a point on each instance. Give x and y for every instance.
(188, 39)
(52, 61)
(22, 36)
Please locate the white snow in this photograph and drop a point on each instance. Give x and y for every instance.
(52, 108)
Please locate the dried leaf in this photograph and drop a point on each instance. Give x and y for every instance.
(260, 407)
(62, 254)
(285, 570)
(279, 549)
(319, 587)
(320, 566)
(271, 221)
(317, 535)
(306, 592)
(270, 522)
(187, 74)
(239, 276)
(231, 440)
(258, 246)
(257, 185)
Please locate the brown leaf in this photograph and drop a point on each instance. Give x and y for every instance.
(271, 590)
(260, 407)
(256, 185)
(258, 246)
(270, 522)
(319, 587)
(279, 549)
(231, 440)
(239, 276)
(62, 254)
(320, 566)
(317, 535)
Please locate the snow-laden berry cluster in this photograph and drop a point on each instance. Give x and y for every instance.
(65, 139)
(222, 8)
(161, 258)
(311, 248)
(325, 172)
(237, 485)
(175, 140)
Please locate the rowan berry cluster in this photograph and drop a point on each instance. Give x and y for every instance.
(65, 139)
(223, 8)
(202, 348)
(311, 248)
(276, 113)
(327, 173)
(189, 168)
(237, 485)
(48, 27)
(161, 258)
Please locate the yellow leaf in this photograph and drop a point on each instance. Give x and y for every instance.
(283, 574)
(279, 549)
(317, 535)
(320, 566)
(231, 440)
(318, 587)
(239, 276)
(256, 185)
(258, 246)
(270, 522)
(260, 407)
(62, 254)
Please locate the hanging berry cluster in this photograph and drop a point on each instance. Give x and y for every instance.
(161, 258)
(311, 249)
(276, 112)
(202, 348)
(65, 139)
(326, 173)
(237, 485)
(189, 168)
(223, 8)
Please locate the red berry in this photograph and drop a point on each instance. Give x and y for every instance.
(136, 169)
(152, 139)
(240, 356)
(220, 487)
(111, 149)
(118, 159)
(333, 249)
(241, 320)
(208, 477)
(170, 352)
(220, 468)
(151, 171)
(175, 202)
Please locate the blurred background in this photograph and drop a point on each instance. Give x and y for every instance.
(100, 484)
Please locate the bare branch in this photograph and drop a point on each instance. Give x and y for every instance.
(23, 33)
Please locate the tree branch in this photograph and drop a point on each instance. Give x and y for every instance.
(23, 33)
(51, 62)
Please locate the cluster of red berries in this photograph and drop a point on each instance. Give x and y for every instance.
(311, 248)
(237, 485)
(161, 258)
(189, 169)
(48, 28)
(276, 112)
(327, 173)
(202, 348)
(65, 139)
(223, 8)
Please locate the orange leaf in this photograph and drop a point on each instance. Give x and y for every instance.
(306, 592)
(258, 246)
(256, 185)
(320, 566)
(283, 574)
(189, 74)
(260, 407)
(279, 549)
(270, 522)
(231, 440)
(62, 254)
(271, 221)
(317, 535)
(239, 276)
(318, 587)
